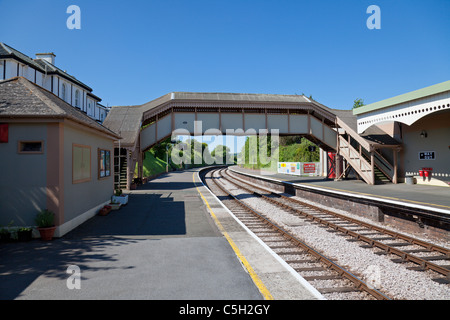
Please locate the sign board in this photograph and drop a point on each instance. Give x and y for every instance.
(426, 155)
(309, 168)
(299, 168)
(289, 168)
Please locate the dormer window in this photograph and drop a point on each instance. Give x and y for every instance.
(77, 99)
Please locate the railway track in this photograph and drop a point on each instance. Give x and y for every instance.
(420, 253)
(328, 276)
(415, 254)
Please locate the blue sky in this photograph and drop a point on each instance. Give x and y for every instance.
(131, 52)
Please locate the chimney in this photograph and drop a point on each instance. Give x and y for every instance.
(49, 57)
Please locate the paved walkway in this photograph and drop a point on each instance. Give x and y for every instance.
(162, 245)
(168, 243)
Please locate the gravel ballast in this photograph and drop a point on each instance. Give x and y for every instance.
(378, 270)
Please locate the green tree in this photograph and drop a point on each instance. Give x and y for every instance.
(221, 155)
(200, 154)
(358, 103)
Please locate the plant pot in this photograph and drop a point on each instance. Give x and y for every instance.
(5, 237)
(104, 211)
(114, 206)
(47, 233)
(123, 199)
(24, 235)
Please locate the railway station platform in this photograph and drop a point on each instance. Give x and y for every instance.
(172, 241)
(428, 197)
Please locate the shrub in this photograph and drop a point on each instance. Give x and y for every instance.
(45, 218)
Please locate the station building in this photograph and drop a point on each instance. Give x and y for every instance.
(52, 156)
(420, 122)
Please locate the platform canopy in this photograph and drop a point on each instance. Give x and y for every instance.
(406, 108)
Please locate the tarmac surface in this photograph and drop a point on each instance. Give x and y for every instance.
(172, 241)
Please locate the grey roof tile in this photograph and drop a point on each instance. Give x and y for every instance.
(21, 98)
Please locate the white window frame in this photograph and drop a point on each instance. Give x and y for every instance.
(77, 98)
(63, 91)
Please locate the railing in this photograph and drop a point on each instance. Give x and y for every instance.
(356, 160)
(380, 162)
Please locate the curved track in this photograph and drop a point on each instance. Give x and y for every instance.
(335, 278)
(419, 255)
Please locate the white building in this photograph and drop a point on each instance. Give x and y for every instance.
(43, 72)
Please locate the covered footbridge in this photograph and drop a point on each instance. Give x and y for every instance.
(332, 130)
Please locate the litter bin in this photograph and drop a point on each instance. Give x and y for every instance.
(409, 180)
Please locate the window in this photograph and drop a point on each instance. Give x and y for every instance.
(31, 147)
(77, 99)
(81, 163)
(104, 166)
(63, 92)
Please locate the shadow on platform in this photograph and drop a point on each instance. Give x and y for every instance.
(145, 217)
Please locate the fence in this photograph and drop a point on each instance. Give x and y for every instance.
(299, 168)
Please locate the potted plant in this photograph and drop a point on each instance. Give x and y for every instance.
(46, 226)
(118, 197)
(115, 205)
(24, 234)
(5, 233)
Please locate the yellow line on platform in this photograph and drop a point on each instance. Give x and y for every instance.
(259, 284)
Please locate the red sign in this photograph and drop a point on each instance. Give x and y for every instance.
(3, 132)
(309, 168)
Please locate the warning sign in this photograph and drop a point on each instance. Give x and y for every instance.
(309, 168)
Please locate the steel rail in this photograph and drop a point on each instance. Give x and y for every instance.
(358, 283)
(424, 264)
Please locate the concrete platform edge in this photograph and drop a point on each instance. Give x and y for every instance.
(348, 194)
(301, 281)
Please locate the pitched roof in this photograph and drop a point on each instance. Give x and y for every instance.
(126, 121)
(9, 52)
(406, 97)
(38, 64)
(52, 69)
(21, 98)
